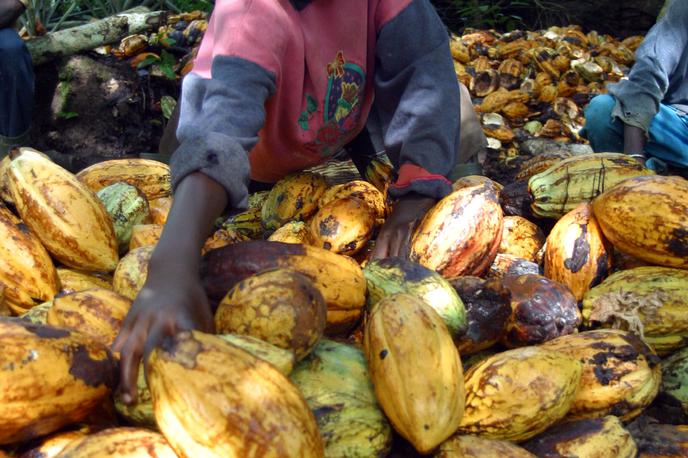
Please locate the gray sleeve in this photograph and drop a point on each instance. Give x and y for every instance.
(219, 122)
(638, 97)
(417, 99)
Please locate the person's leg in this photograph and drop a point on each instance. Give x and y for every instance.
(472, 141)
(16, 90)
(669, 137)
(605, 134)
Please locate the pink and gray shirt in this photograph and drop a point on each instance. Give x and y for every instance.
(281, 85)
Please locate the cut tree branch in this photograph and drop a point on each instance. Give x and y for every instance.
(98, 33)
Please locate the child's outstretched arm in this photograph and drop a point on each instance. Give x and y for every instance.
(222, 111)
(417, 101)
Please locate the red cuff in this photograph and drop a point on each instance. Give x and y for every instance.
(409, 173)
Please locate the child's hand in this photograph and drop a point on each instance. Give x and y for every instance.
(172, 300)
(395, 235)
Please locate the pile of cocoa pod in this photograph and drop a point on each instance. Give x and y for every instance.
(535, 84)
(560, 331)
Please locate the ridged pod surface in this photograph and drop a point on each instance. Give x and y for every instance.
(292, 198)
(650, 299)
(222, 237)
(64, 214)
(474, 180)
(416, 370)
(132, 271)
(72, 280)
(395, 275)
(5, 193)
(338, 278)
(292, 232)
(159, 209)
(379, 173)
(152, 178)
(144, 235)
(361, 190)
(127, 207)
(577, 254)
(212, 399)
(540, 163)
(674, 389)
(506, 265)
(517, 394)
(336, 383)
(121, 443)
(140, 413)
(247, 223)
(578, 179)
(98, 312)
(598, 437)
(477, 447)
(280, 306)
(521, 238)
(26, 270)
(52, 446)
(647, 217)
(49, 377)
(343, 225)
(621, 374)
(542, 310)
(460, 235)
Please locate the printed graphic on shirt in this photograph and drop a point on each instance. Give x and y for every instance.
(342, 107)
(307, 114)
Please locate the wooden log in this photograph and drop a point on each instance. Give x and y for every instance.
(98, 33)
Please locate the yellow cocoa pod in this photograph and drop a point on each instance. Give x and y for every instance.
(648, 299)
(222, 237)
(64, 214)
(158, 209)
(145, 235)
(152, 178)
(49, 377)
(461, 233)
(72, 280)
(647, 217)
(475, 180)
(247, 223)
(598, 437)
(98, 312)
(477, 447)
(416, 370)
(26, 270)
(621, 374)
(121, 443)
(519, 393)
(281, 307)
(292, 232)
(343, 225)
(292, 198)
(521, 238)
(211, 399)
(52, 446)
(577, 254)
(132, 271)
(360, 189)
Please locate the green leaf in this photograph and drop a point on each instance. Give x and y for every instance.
(167, 105)
(147, 62)
(67, 114)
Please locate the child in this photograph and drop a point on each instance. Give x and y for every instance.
(16, 80)
(279, 86)
(646, 115)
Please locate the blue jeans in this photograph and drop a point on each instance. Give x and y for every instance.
(16, 85)
(668, 139)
